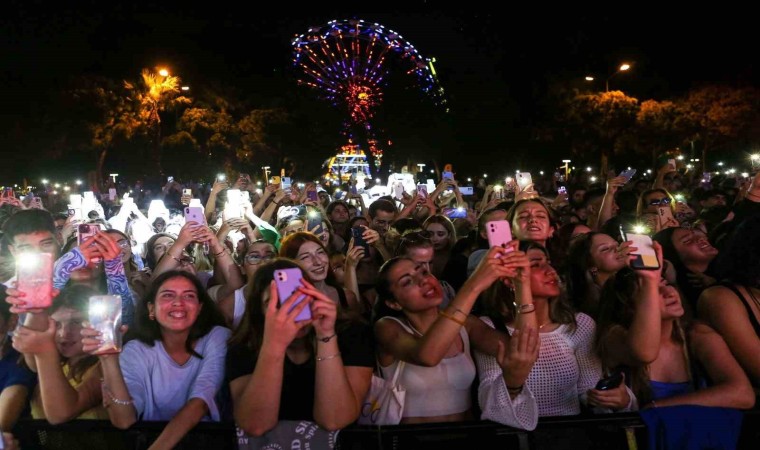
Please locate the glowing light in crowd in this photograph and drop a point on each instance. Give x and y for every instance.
(593, 179)
(485, 175)
(680, 157)
(754, 156)
(588, 169)
(639, 229)
(720, 163)
(78, 182)
(163, 72)
(44, 181)
(745, 174)
(57, 185)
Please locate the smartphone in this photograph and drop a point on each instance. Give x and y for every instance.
(672, 164)
(665, 215)
(286, 183)
(466, 190)
(169, 179)
(232, 208)
(314, 222)
(398, 190)
(455, 213)
(562, 190)
(646, 258)
(287, 281)
(610, 382)
(498, 192)
(34, 277)
(86, 231)
(312, 196)
(187, 192)
(422, 191)
(447, 175)
(499, 233)
(111, 194)
(628, 174)
(221, 177)
(274, 180)
(104, 314)
(357, 234)
(195, 214)
(524, 179)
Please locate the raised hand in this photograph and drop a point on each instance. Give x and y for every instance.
(32, 342)
(280, 326)
(518, 359)
(324, 311)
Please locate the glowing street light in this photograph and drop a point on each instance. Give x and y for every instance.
(163, 72)
(589, 78)
(78, 182)
(622, 68)
(44, 181)
(185, 88)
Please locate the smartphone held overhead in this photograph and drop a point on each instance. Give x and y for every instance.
(645, 257)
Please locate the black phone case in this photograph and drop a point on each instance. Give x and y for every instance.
(359, 240)
(610, 382)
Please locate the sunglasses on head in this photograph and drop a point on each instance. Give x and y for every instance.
(659, 201)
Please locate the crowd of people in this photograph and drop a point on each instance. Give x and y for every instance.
(560, 321)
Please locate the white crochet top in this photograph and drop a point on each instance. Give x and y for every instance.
(566, 368)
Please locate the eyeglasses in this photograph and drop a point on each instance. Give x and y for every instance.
(256, 260)
(123, 243)
(659, 201)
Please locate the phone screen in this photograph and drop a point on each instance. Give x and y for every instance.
(104, 314)
(34, 277)
(314, 222)
(499, 233)
(169, 179)
(646, 257)
(466, 190)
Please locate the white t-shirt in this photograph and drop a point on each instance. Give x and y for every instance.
(160, 387)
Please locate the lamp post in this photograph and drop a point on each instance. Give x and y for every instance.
(266, 174)
(622, 68)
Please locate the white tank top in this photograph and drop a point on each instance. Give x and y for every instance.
(440, 390)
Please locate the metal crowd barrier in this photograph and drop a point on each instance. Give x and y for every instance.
(606, 431)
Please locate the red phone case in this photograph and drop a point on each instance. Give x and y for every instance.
(34, 277)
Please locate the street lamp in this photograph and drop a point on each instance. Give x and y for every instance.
(622, 68)
(185, 88)
(163, 72)
(266, 174)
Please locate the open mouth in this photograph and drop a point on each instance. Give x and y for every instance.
(318, 270)
(534, 228)
(178, 314)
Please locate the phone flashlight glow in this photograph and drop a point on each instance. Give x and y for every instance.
(639, 229)
(98, 309)
(28, 260)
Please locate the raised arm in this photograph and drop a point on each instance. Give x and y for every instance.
(640, 343)
(256, 397)
(431, 348)
(60, 401)
(608, 202)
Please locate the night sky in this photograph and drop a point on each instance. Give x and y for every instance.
(494, 67)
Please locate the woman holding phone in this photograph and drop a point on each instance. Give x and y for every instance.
(174, 367)
(434, 343)
(69, 377)
(282, 369)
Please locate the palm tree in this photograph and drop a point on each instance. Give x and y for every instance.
(157, 92)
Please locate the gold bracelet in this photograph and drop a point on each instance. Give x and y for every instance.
(457, 310)
(325, 358)
(216, 255)
(450, 317)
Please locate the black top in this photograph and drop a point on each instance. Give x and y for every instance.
(356, 343)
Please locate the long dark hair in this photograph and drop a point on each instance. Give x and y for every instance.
(498, 300)
(579, 261)
(383, 288)
(250, 332)
(617, 308)
(739, 262)
(148, 331)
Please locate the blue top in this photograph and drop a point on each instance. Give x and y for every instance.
(664, 390)
(11, 373)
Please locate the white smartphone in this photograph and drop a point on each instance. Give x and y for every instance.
(524, 179)
(466, 190)
(398, 190)
(672, 164)
(195, 214)
(232, 208)
(187, 192)
(646, 257)
(286, 183)
(666, 215)
(111, 194)
(422, 191)
(499, 233)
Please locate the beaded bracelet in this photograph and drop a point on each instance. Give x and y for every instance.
(325, 358)
(114, 399)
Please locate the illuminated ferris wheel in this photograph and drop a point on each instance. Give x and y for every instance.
(347, 61)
